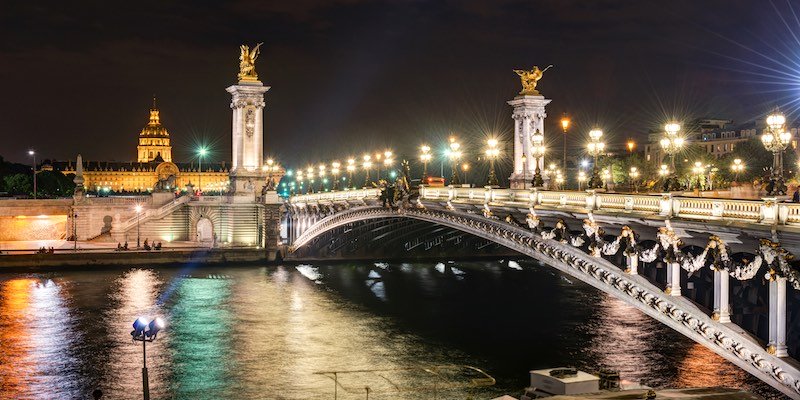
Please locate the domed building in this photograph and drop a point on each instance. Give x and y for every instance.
(153, 164)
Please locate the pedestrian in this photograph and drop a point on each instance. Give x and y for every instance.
(796, 196)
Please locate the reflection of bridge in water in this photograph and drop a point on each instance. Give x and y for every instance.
(714, 270)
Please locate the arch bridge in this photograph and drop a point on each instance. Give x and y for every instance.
(718, 271)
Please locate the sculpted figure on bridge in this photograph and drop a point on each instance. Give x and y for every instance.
(530, 78)
(247, 62)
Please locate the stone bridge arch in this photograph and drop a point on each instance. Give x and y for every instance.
(678, 313)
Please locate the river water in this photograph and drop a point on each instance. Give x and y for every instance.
(405, 331)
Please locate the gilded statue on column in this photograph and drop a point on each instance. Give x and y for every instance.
(530, 79)
(247, 62)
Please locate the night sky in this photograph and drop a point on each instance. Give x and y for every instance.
(350, 76)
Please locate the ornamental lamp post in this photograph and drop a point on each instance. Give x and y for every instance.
(310, 176)
(606, 177)
(737, 167)
(671, 143)
(387, 163)
(322, 177)
(775, 139)
(425, 156)
(465, 168)
(595, 147)
(455, 155)
(367, 165)
(351, 167)
(335, 173)
(634, 174)
(565, 122)
(581, 179)
(698, 170)
(537, 151)
(492, 152)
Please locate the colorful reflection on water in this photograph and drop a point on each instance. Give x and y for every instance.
(266, 332)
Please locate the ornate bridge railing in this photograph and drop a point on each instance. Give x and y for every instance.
(562, 250)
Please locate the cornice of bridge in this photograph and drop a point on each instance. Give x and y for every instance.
(676, 312)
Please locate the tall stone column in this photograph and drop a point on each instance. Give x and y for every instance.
(529, 114)
(777, 317)
(247, 147)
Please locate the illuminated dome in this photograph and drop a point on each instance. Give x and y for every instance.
(154, 140)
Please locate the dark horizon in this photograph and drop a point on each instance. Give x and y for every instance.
(354, 76)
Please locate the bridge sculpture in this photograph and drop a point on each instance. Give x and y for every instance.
(751, 242)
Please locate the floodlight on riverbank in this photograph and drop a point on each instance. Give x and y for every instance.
(146, 331)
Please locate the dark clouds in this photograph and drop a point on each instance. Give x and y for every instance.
(349, 76)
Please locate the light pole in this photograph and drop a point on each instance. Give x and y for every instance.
(387, 162)
(322, 177)
(455, 155)
(465, 168)
(606, 177)
(537, 151)
(201, 152)
(425, 157)
(565, 121)
(138, 210)
(144, 331)
(74, 230)
(775, 139)
(737, 167)
(335, 173)
(299, 178)
(698, 169)
(367, 165)
(32, 153)
(351, 167)
(581, 179)
(672, 143)
(492, 152)
(595, 147)
(634, 174)
(310, 176)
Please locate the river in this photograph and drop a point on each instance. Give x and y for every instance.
(269, 332)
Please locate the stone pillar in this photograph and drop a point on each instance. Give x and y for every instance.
(247, 147)
(724, 293)
(272, 224)
(529, 114)
(673, 279)
(777, 317)
(633, 264)
(715, 314)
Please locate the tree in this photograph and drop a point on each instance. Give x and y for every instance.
(19, 184)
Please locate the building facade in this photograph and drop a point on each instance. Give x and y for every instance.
(154, 163)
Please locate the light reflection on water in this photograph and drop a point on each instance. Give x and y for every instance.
(263, 333)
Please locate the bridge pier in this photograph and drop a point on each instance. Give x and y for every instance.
(777, 317)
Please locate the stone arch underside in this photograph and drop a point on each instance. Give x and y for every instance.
(678, 313)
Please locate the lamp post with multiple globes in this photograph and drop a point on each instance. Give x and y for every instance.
(455, 155)
(335, 174)
(492, 152)
(775, 139)
(581, 179)
(671, 143)
(595, 147)
(737, 167)
(634, 174)
(537, 151)
(367, 165)
(351, 168)
(425, 156)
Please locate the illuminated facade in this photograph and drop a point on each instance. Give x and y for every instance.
(154, 163)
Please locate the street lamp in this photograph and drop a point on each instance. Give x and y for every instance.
(351, 167)
(595, 147)
(387, 162)
(465, 168)
(138, 210)
(310, 176)
(146, 331)
(737, 167)
(425, 156)
(201, 152)
(366, 165)
(33, 154)
(322, 177)
(565, 121)
(606, 177)
(492, 152)
(455, 155)
(537, 151)
(581, 179)
(775, 139)
(335, 172)
(671, 143)
(634, 174)
(698, 169)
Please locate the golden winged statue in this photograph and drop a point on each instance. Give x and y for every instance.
(530, 78)
(247, 62)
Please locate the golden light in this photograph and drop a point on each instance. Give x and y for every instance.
(565, 121)
(631, 145)
(465, 167)
(776, 120)
(672, 128)
(595, 134)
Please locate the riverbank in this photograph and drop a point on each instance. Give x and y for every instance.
(58, 260)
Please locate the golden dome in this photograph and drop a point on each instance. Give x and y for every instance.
(154, 127)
